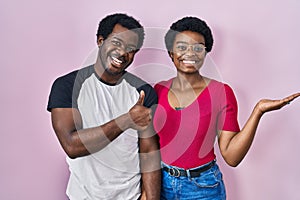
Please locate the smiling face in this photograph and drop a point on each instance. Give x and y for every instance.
(118, 50)
(188, 52)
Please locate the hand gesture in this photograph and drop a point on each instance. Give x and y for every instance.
(266, 105)
(139, 114)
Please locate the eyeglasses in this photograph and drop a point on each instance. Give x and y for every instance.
(183, 48)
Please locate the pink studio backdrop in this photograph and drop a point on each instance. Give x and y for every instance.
(256, 51)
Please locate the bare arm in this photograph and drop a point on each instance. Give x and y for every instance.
(234, 146)
(77, 142)
(150, 164)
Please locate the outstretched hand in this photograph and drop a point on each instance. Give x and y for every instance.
(266, 105)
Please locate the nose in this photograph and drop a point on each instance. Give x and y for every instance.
(121, 51)
(190, 50)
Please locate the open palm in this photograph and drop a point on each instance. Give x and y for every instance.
(266, 105)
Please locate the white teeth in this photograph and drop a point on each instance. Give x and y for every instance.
(189, 61)
(116, 60)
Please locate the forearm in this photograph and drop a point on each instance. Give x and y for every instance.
(151, 174)
(83, 142)
(98, 138)
(150, 163)
(151, 182)
(234, 146)
(240, 144)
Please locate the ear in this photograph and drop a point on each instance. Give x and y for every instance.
(100, 41)
(171, 54)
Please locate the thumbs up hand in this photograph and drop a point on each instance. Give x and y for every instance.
(139, 114)
(141, 98)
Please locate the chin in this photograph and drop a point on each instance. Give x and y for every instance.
(188, 69)
(111, 72)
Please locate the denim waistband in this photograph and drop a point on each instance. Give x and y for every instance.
(193, 172)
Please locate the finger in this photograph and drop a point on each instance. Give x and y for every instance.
(288, 99)
(294, 96)
(150, 115)
(141, 98)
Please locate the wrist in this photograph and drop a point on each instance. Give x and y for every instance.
(124, 121)
(258, 111)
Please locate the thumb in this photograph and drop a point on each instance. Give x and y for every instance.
(141, 98)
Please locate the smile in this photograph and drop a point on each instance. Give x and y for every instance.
(116, 60)
(189, 61)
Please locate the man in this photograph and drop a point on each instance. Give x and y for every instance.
(101, 115)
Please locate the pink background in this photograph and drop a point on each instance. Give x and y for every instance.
(256, 51)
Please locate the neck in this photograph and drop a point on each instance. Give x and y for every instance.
(183, 81)
(104, 75)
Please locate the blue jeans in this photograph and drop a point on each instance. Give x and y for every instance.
(208, 186)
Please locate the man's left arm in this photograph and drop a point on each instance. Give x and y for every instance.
(150, 164)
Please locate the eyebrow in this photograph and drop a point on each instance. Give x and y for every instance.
(188, 43)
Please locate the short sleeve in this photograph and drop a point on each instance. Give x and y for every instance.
(227, 118)
(150, 95)
(61, 92)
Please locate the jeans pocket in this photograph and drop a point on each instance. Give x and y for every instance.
(208, 179)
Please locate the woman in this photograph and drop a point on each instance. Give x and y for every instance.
(192, 111)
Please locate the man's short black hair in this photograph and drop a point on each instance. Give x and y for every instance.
(108, 23)
(189, 24)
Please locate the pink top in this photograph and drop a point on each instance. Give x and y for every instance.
(187, 136)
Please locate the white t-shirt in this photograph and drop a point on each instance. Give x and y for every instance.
(113, 172)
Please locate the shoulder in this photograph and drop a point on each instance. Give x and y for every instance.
(64, 82)
(70, 77)
(136, 82)
(133, 80)
(61, 91)
(223, 93)
(140, 84)
(163, 85)
(217, 85)
(76, 77)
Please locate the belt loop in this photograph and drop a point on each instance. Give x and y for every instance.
(188, 173)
